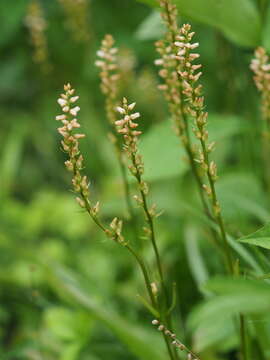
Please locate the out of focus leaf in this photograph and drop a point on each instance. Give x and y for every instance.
(260, 237)
(229, 16)
(266, 30)
(195, 259)
(162, 153)
(11, 18)
(234, 296)
(135, 338)
(241, 194)
(11, 155)
(67, 324)
(151, 28)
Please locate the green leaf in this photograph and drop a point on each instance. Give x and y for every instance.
(240, 194)
(260, 237)
(234, 296)
(196, 262)
(133, 336)
(266, 31)
(12, 153)
(151, 28)
(11, 18)
(238, 20)
(162, 153)
(66, 324)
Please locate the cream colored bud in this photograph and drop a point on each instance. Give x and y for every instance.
(155, 322)
(194, 46)
(81, 202)
(69, 165)
(159, 62)
(135, 116)
(101, 54)
(120, 110)
(120, 122)
(74, 110)
(79, 136)
(99, 63)
(61, 117)
(73, 99)
(131, 106)
(67, 87)
(62, 102)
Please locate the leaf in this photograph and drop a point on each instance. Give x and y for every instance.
(67, 324)
(234, 296)
(151, 28)
(260, 237)
(238, 20)
(240, 194)
(266, 31)
(135, 337)
(162, 153)
(196, 262)
(11, 18)
(11, 155)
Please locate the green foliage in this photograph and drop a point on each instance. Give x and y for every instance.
(69, 293)
(260, 237)
(228, 16)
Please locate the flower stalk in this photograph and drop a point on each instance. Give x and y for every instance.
(172, 89)
(81, 186)
(127, 127)
(109, 86)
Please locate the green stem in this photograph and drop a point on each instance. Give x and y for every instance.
(150, 293)
(219, 218)
(243, 336)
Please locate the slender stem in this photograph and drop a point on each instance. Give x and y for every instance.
(243, 336)
(126, 187)
(219, 218)
(142, 267)
(164, 316)
(145, 275)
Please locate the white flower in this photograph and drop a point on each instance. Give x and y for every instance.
(73, 99)
(60, 117)
(120, 110)
(135, 116)
(62, 102)
(74, 111)
(131, 106)
(159, 62)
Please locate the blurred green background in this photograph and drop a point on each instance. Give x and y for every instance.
(67, 292)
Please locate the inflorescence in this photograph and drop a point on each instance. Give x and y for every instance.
(175, 342)
(261, 68)
(109, 75)
(74, 164)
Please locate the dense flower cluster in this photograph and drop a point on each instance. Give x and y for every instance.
(36, 23)
(167, 50)
(77, 18)
(127, 126)
(74, 164)
(70, 143)
(109, 76)
(261, 67)
(194, 107)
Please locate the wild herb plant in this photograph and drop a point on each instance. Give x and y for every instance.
(180, 72)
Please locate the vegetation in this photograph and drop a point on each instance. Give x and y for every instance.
(164, 253)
